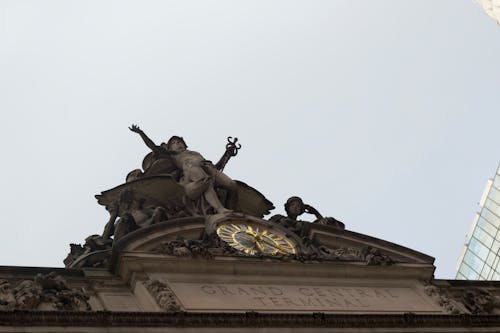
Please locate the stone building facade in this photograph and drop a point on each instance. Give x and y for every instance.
(187, 249)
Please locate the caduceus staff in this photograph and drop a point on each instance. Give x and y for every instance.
(232, 148)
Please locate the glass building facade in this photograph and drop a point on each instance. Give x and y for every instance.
(480, 259)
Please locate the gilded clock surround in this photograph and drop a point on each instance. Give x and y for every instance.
(254, 239)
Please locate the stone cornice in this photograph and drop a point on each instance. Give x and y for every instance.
(248, 319)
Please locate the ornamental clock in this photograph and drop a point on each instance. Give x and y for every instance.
(255, 239)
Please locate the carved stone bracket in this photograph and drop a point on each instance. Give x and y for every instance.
(48, 291)
(164, 296)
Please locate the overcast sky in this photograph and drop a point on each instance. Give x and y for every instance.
(383, 114)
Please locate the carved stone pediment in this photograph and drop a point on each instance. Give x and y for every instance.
(197, 237)
(240, 237)
(347, 243)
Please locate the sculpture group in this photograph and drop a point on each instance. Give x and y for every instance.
(176, 182)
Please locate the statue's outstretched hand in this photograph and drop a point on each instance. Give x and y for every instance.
(135, 128)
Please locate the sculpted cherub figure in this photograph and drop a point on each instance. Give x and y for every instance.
(198, 176)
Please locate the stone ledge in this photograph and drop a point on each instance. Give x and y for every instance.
(247, 319)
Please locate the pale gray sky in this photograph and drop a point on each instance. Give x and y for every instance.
(383, 114)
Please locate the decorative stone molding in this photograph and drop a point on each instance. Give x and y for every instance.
(249, 319)
(370, 255)
(212, 246)
(480, 301)
(443, 300)
(374, 256)
(340, 253)
(47, 291)
(164, 296)
(94, 253)
(184, 248)
(7, 297)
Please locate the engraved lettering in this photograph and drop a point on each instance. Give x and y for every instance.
(297, 297)
(242, 291)
(258, 291)
(260, 299)
(288, 301)
(225, 291)
(305, 291)
(390, 294)
(276, 291)
(275, 301)
(363, 293)
(348, 291)
(306, 302)
(335, 292)
(319, 292)
(208, 290)
(331, 302)
(361, 303)
(319, 301)
(379, 293)
(348, 303)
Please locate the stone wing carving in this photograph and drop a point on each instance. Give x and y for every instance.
(152, 165)
(251, 201)
(162, 190)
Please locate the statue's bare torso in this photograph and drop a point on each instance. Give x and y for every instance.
(199, 177)
(187, 158)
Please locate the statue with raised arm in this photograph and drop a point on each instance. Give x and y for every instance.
(198, 176)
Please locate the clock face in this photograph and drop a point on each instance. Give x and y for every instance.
(255, 239)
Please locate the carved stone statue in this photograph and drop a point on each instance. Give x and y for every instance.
(174, 182)
(129, 214)
(184, 183)
(198, 176)
(294, 208)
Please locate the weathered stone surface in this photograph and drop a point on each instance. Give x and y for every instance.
(338, 297)
(186, 248)
(443, 300)
(45, 291)
(163, 295)
(481, 301)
